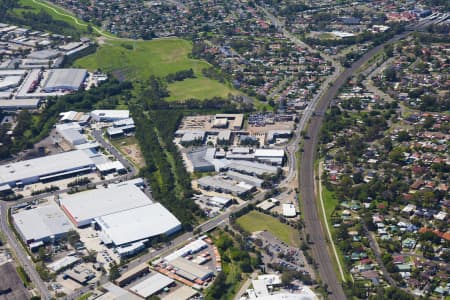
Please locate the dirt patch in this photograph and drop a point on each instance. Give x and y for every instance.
(135, 154)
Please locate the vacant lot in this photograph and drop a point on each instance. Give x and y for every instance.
(130, 148)
(138, 60)
(256, 221)
(198, 88)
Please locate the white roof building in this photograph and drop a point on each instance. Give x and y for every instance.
(71, 132)
(111, 166)
(191, 248)
(260, 288)
(272, 156)
(151, 285)
(65, 79)
(182, 293)
(271, 279)
(45, 168)
(15, 104)
(9, 82)
(109, 115)
(41, 224)
(137, 224)
(62, 263)
(289, 210)
(116, 293)
(82, 208)
(44, 54)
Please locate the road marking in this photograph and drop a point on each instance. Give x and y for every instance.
(328, 226)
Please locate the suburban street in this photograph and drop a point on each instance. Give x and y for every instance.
(21, 254)
(313, 224)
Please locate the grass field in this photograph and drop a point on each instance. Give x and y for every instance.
(330, 201)
(197, 88)
(256, 221)
(138, 60)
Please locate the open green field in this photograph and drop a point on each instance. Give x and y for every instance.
(138, 60)
(256, 221)
(197, 88)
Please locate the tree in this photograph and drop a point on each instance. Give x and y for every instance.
(113, 272)
(73, 237)
(287, 277)
(390, 74)
(387, 144)
(358, 177)
(389, 50)
(429, 122)
(403, 136)
(396, 156)
(91, 257)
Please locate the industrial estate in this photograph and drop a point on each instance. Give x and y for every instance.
(250, 150)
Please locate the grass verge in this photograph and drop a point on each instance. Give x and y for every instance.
(328, 203)
(23, 276)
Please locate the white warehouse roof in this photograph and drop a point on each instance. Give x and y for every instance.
(84, 207)
(110, 114)
(41, 223)
(151, 285)
(65, 79)
(30, 170)
(62, 263)
(289, 210)
(139, 223)
(269, 153)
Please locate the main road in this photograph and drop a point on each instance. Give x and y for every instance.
(313, 224)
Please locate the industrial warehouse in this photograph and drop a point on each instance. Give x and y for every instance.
(120, 222)
(126, 225)
(64, 80)
(41, 225)
(137, 224)
(45, 168)
(82, 209)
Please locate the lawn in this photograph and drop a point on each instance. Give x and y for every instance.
(256, 221)
(327, 36)
(127, 141)
(330, 201)
(198, 88)
(138, 60)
